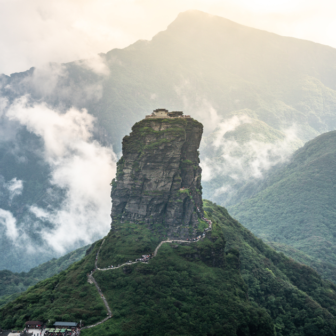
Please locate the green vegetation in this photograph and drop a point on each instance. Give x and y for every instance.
(295, 206)
(184, 191)
(63, 297)
(230, 283)
(202, 225)
(120, 166)
(177, 121)
(12, 284)
(145, 132)
(178, 294)
(326, 269)
(294, 295)
(126, 242)
(157, 144)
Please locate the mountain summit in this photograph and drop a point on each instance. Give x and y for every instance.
(158, 177)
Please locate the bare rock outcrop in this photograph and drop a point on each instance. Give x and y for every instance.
(158, 180)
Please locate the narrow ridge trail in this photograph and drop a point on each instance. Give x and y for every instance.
(92, 280)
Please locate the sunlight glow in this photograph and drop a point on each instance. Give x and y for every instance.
(268, 6)
(66, 30)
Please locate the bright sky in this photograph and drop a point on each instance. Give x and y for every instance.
(33, 32)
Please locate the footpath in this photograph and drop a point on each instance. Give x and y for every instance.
(92, 280)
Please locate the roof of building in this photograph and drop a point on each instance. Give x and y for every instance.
(34, 322)
(67, 324)
(160, 109)
(5, 332)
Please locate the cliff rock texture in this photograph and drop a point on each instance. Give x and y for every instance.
(158, 180)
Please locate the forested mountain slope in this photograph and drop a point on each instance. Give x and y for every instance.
(276, 93)
(295, 205)
(12, 284)
(229, 283)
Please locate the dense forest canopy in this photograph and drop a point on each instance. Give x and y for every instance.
(294, 207)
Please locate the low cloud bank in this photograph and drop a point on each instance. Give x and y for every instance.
(9, 222)
(14, 187)
(230, 158)
(247, 159)
(80, 167)
(237, 147)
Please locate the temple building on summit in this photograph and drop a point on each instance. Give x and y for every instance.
(163, 113)
(158, 182)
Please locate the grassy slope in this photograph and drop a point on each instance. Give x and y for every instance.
(188, 290)
(181, 293)
(65, 296)
(12, 284)
(295, 205)
(292, 293)
(127, 243)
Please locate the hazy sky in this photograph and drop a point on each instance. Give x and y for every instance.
(33, 32)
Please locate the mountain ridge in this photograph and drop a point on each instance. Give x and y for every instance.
(214, 75)
(294, 204)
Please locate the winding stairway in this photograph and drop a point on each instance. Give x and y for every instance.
(92, 280)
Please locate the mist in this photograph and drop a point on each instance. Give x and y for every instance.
(228, 163)
(9, 222)
(80, 167)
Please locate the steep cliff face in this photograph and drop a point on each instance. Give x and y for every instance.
(158, 179)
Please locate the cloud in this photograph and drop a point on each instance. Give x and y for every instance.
(80, 166)
(234, 154)
(14, 187)
(250, 159)
(8, 220)
(226, 126)
(52, 83)
(8, 129)
(236, 147)
(45, 78)
(201, 107)
(96, 64)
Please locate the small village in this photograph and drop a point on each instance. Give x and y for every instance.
(38, 328)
